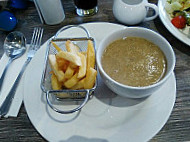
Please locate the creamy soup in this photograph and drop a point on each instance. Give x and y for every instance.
(134, 61)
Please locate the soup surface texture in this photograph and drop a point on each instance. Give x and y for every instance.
(134, 61)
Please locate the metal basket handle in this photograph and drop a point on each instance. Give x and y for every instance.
(68, 111)
(71, 26)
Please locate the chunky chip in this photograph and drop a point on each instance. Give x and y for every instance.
(79, 85)
(72, 81)
(82, 68)
(90, 55)
(69, 72)
(90, 78)
(56, 85)
(59, 73)
(71, 47)
(71, 57)
(56, 46)
(62, 63)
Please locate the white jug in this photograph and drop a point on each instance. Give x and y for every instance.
(133, 12)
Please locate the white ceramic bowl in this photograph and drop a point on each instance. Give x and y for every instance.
(129, 91)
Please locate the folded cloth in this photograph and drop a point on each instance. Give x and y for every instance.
(10, 77)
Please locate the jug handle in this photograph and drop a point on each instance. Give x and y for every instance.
(155, 8)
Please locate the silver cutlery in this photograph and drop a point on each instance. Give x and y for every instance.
(34, 46)
(14, 47)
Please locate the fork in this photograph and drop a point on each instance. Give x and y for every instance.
(34, 46)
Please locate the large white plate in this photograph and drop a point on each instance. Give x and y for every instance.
(106, 117)
(166, 21)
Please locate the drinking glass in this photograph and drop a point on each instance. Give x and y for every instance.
(86, 7)
(51, 12)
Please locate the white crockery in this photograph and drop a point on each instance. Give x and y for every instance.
(129, 91)
(132, 12)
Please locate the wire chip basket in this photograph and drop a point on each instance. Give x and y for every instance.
(66, 95)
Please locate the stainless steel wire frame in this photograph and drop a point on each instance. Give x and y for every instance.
(82, 95)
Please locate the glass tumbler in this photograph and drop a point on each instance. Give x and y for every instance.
(51, 12)
(86, 7)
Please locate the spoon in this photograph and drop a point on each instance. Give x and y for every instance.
(14, 47)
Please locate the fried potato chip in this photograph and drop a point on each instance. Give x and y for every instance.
(79, 85)
(59, 73)
(75, 59)
(62, 63)
(84, 53)
(56, 46)
(73, 66)
(71, 47)
(72, 81)
(55, 84)
(82, 68)
(69, 72)
(90, 78)
(90, 55)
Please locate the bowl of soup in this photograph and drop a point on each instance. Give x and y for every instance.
(135, 62)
